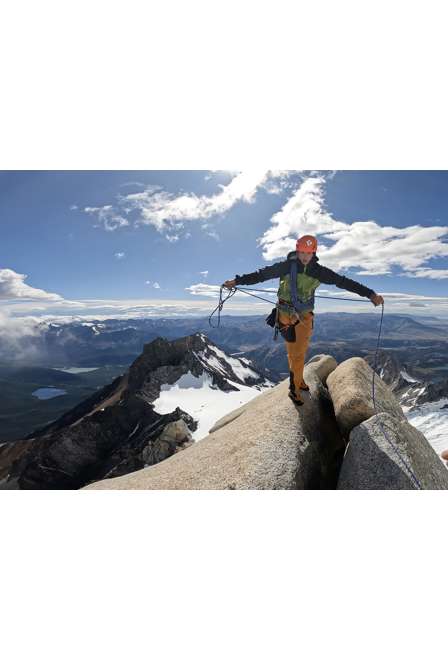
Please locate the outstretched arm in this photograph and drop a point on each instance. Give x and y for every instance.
(328, 276)
(261, 275)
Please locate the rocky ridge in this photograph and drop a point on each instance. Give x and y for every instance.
(333, 441)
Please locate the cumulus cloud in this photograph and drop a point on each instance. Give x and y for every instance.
(19, 337)
(365, 246)
(12, 285)
(160, 208)
(119, 255)
(209, 290)
(204, 273)
(167, 211)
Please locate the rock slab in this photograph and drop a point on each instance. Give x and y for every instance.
(350, 387)
(266, 444)
(383, 451)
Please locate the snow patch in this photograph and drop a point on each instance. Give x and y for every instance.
(134, 431)
(407, 377)
(197, 396)
(238, 369)
(432, 421)
(93, 326)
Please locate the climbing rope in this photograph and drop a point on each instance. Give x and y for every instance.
(232, 292)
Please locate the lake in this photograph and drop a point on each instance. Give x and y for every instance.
(48, 392)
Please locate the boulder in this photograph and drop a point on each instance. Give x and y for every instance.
(175, 436)
(444, 455)
(267, 443)
(350, 387)
(380, 452)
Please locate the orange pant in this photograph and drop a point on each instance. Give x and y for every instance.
(297, 350)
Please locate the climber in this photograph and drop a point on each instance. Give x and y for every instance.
(293, 313)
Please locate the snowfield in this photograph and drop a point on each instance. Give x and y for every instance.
(203, 401)
(432, 420)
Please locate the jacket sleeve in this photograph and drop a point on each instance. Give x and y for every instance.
(328, 276)
(263, 274)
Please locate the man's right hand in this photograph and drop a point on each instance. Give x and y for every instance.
(229, 284)
(377, 299)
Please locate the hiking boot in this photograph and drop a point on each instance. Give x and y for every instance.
(304, 386)
(297, 401)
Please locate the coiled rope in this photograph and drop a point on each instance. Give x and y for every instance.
(395, 449)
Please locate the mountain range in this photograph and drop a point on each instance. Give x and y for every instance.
(241, 364)
(69, 362)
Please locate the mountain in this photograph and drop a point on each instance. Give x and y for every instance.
(397, 374)
(205, 372)
(135, 420)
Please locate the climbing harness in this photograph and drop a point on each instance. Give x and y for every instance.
(232, 292)
(298, 305)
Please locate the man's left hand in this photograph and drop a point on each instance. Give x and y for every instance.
(377, 299)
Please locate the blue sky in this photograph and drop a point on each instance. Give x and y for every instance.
(151, 243)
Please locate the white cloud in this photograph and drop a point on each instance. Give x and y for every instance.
(161, 209)
(17, 332)
(73, 207)
(363, 245)
(202, 289)
(120, 255)
(431, 273)
(156, 285)
(212, 291)
(16, 335)
(167, 211)
(12, 285)
(204, 273)
(132, 184)
(107, 216)
(213, 234)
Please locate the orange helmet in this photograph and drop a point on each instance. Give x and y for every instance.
(306, 244)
